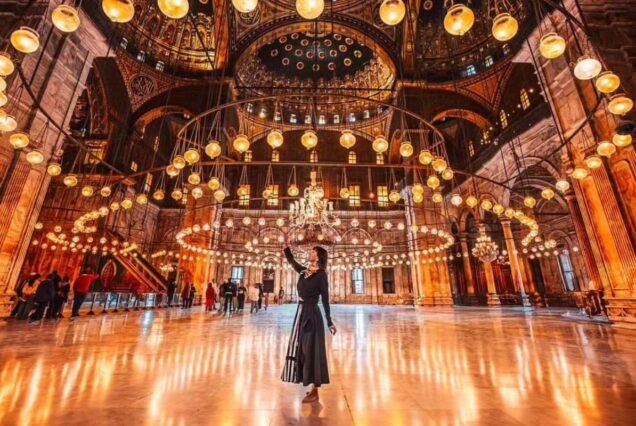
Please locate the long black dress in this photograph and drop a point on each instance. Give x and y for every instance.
(306, 360)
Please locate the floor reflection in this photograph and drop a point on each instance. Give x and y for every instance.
(389, 365)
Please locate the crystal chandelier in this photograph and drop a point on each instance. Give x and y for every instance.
(312, 214)
(485, 249)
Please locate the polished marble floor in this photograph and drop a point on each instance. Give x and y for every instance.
(389, 366)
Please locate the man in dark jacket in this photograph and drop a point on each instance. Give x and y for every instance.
(172, 287)
(227, 290)
(81, 287)
(44, 296)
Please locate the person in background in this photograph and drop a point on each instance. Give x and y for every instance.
(44, 297)
(172, 287)
(62, 289)
(209, 297)
(254, 297)
(226, 290)
(28, 297)
(19, 297)
(193, 293)
(265, 296)
(81, 287)
(185, 295)
(281, 295)
(260, 295)
(241, 293)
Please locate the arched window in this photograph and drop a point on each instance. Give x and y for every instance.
(525, 100)
(503, 118)
(353, 159)
(470, 70)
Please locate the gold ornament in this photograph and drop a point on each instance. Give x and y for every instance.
(562, 185)
(142, 199)
(127, 203)
(176, 194)
(171, 170)
(437, 197)
(486, 204)
(529, 202)
(425, 157)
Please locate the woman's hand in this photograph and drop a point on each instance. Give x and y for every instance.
(332, 330)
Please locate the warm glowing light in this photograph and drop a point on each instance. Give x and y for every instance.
(213, 149)
(127, 203)
(293, 191)
(622, 141)
(498, 209)
(509, 213)
(65, 18)
(3, 98)
(275, 139)
(243, 191)
(19, 140)
(245, 6)
(25, 40)
(6, 65)
(309, 139)
(214, 183)
(417, 189)
(593, 162)
(472, 201)
(142, 199)
(504, 27)
(194, 178)
(8, 122)
(179, 162)
(547, 193)
(380, 144)
(552, 46)
(197, 193)
(447, 173)
(529, 202)
(620, 104)
(394, 196)
(70, 180)
(607, 82)
(159, 195)
(439, 164)
(344, 192)
(3, 83)
(241, 143)
(192, 156)
(54, 169)
(120, 11)
(310, 9)
(456, 200)
(580, 173)
(88, 191)
(425, 157)
(486, 204)
(177, 194)
(437, 197)
(562, 185)
(432, 182)
(219, 195)
(174, 9)
(392, 11)
(347, 139)
(587, 68)
(406, 149)
(418, 198)
(171, 170)
(605, 149)
(459, 19)
(35, 157)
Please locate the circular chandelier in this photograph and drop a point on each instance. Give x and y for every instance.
(485, 249)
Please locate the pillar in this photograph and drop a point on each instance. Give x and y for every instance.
(515, 268)
(468, 271)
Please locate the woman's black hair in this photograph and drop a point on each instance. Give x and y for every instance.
(322, 257)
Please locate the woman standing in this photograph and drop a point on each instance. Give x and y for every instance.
(306, 360)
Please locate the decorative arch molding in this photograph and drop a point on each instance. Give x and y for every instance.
(158, 112)
(471, 116)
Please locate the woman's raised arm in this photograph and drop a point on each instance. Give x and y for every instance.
(290, 258)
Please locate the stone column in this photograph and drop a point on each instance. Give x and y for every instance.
(515, 268)
(493, 297)
(468, 271)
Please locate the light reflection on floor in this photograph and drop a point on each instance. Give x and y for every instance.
(389, 365)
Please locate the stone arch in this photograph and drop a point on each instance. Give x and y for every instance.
(465, 114)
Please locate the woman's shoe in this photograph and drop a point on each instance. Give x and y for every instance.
(311, 397)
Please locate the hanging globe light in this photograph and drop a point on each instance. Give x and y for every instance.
(509, 213)
(293, 191)
(587, 68)
(213, 149)
(447, 173)
(459, 19)
(3, 99)
(347, 139)
(406, 149)
(529, 202)
(70, 180)
(241, 143)
(486, 204)
(439, 164)
(310, 9)
(159, 195)
(309, 139)
(418, 198)
(425, 157)
(219, 195)
(197, 193)
(114, 206)
(394, 196)
(105, 191)
(620, 104)
(54, 169)
(65, 18)
(504, 27)
(127, 203)
(88, 191)
(243, 190)
(174, 9)
(579, 173)
(267, 192)
(472, 201)
(120, 11)
(35, 157)
(417, 189)
(179, 162)
(432, 182)
(498, 209)
(562, 185)
(192, 156)
(25, 40)
(142, 199)
(194, 178)
(380, 144)
(19, 140)
(176, 194)
(214, 183)
(6, 65)
(593, 161)
(245, 6)
(3, 84)
(171, 170)
(8, 122)
(456, 200)
(622, 140)
(392, 11)
(607, 82)
(605, 149)
(344, 192)
(275, 139)
(547, 193)
(437, 197)
(552, 46)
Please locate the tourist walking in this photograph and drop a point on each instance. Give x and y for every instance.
(185, 295)
(210, 294)
(227, 290)
(306, 360)
(43, 298)
(61, 297)
(193, 293)
(172, 287)
(81, 287)
(281, 295)
(252, 294)
(241, 292)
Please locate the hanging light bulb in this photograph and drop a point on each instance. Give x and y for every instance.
(437, 197)
(171, 170)
(25, 40)
(120, 11)
(562, 185)
(174, 9)
(245, 6)
(392, 11)
(142, 199)
(579, 173)
(159, 195)
(447, 173)
(275, 139)
(194, 178)
(88, 191)
(418, 198)
(70, 180)
(432, 182)
(472, 201)
(105, 191)
(620, 104)
(552, 46)
(6, 65)
(380, 144)
(214, 183)
(309, 139)
(243, 190)
(19, 140)
(65, 18)
(54, 169)
(347, 139)
(344, 192)
(192, 156)
(605, 149)
(439, 164)
(179, 162)
(425, 157)
(529, 202)
(607, 82)
(3, 99)
(509, 213)
(310, 9)
(176, 194)
(293, 191)
(547, 193)
(241, 143)
(504, 27)
(622, 140)
(456, 200)
(587, 68)
(417, 189)
(213, 149)
(394, 196)
(486, 204)
(219, 195)
(459, 19)
(8, 122)
(498, 209)
(127, 203)
(35, 157)
(406, 149)
(593, 162)
(3, 83)
(197, 193)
